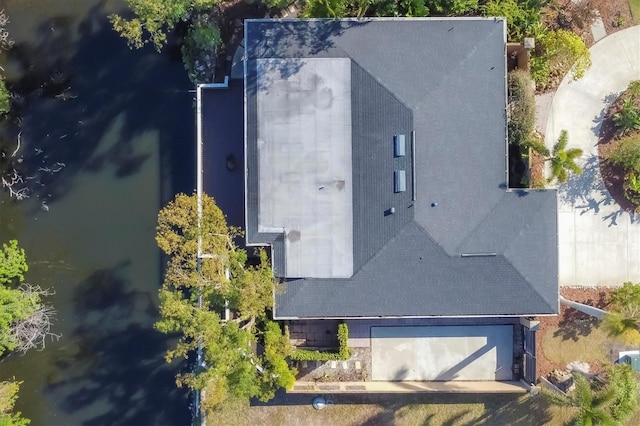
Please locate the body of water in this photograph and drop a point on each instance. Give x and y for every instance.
(107, 138)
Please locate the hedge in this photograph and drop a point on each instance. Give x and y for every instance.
(343, 352)
(522, 108)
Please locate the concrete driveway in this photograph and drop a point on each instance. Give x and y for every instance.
(599, 244)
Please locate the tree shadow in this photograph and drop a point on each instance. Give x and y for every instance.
(117, 372)
(84, 100)
(575, 324)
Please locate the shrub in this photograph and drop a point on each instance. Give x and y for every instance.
(627, 153)
(343, 351)
(557, 53)
(522, 108)
(523, 18)
(199, 49)
(628, 118)
(5, 98)
(451, 7)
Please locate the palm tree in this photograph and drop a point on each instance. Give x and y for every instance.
(563, 160)
(594, 406)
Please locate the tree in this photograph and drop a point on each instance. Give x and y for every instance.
(8, 396)
(623, 322)
(13, 262)
(154, 19)
(5, 97)
(194, 294)
(593, 406)
(563, 160)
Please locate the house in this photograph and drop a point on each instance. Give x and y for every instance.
(376, 170)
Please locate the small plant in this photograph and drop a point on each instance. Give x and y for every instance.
(628, 118)
(627, 153)
(5, 97)
(631, 188)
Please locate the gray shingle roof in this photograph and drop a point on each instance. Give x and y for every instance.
(445, 80)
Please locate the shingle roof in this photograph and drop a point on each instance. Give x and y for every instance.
(444, 79)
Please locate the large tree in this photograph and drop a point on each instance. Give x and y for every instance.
(196, 292)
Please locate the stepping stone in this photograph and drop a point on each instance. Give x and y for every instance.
(304, 364)
(358, 365)
(334, 364)
(597, 28)
(345, 365)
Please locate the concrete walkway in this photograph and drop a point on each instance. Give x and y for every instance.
(599, 244)
(409, 387)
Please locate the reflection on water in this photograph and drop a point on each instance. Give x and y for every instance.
(121, 123)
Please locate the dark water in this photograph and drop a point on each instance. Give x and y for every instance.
(122, 124)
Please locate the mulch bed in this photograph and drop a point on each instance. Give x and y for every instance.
(569, 317)
(612, 174)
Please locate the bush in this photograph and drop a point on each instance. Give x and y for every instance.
(557, 53)
(5, 98)
(343, 351)
(522, 108)
(628, 118)
(627, 153)
(199, 49)
(523, 18)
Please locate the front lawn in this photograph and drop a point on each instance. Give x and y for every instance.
(634, 5)
(407, 409)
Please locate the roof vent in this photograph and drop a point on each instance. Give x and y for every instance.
(399, 147)
(399, 181)
(478, 254)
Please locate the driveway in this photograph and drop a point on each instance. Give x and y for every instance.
(442, 353)
(599, 244)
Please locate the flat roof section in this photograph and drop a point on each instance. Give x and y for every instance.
(304, 162)
(223, 149)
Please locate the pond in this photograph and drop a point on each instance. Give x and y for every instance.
(107, 137)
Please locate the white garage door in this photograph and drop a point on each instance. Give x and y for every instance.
(442, 353)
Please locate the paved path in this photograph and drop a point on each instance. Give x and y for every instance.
(599, 244)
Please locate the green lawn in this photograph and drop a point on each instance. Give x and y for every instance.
(634, 5)
(399, 410)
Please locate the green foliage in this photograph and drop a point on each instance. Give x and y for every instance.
(201, 42)
(154, 19)
(522, 108)
(623, 320)
(451, 7)
(523, 17)
(593, 405)
(558, 52)
(627, 153)
(634, 182)
(343, 349)
(325, 9)
(13, 262)
(311, 355)
(277, 373)
(5, 97)
(627, 295)
(231, 368)
(343, 341)
(15, 305)
(624, 385)
(628, 118)
(8, 396)
(252, 287)
(563, 160)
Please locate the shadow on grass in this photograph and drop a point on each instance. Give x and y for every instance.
(575, 324)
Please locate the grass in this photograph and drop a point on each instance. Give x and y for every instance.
(585, 345)
(407, 409)
(634, 5)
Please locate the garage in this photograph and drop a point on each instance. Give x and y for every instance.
(442, 353)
